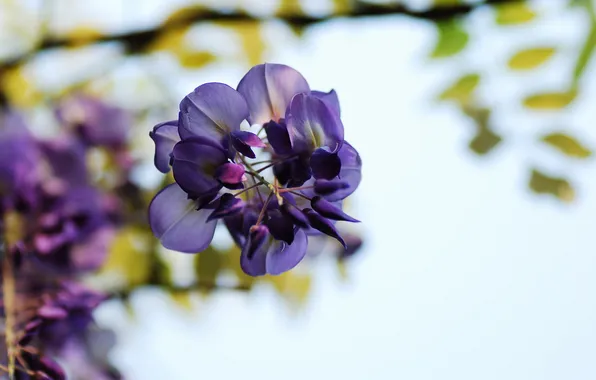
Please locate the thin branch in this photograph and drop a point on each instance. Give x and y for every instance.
(136, 41)
(198, 286)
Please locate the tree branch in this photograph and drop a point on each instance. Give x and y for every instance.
(136, 41)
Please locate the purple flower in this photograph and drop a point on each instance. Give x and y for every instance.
(96, 122)
(270, 218)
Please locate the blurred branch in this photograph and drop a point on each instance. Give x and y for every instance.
(137, 41)
(199, 286)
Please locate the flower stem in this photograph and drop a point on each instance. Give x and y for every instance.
(8, 292)
(262, 213)
(248, 188)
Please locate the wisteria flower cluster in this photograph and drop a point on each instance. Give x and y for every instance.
(270, 203)
(56, 225)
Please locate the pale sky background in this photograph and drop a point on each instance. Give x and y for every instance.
(465, 275)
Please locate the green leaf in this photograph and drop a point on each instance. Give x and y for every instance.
(530, 58)
(452, 39)
(485, 141)
(549, 100)
(560, 188)
(567, 145)
(514, 13)
(462, 89)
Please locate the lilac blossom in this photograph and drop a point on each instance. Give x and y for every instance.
(314, 169)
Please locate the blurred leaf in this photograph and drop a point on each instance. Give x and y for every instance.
(567, 145)
(129, 255)
(232, 257)
(196, 59)
(82, 35)
(184, 15)
(342, 270)
(484, 141)
(514, 13)
(292, 286)
(251, 38)
(208, 265)
(342, 6)
(174, 42)
(544, 184)
(19, 89)
(462, 89)
(530, 58)
(182, 299)
(289, 7)
(549, 100)
(442, 3)
(452, 39)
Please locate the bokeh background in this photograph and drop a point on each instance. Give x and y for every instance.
(475, 121)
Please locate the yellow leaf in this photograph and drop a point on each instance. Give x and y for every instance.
(452, 38)
(293, 287)
(251, 39)
(232, 262)
(182, 299)
(442, 3)
(567, 144)
(208, 265)
(462, 89)
(530, 58)
(19, 89)
(514, 13)
(129, 255)
(289, 7)
(544, 184)
(549, 100)
(184, 15)
(195, 59)
(82, 35)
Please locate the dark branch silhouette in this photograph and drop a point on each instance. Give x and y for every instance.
(136, 41)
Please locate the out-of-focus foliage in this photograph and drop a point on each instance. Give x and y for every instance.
(514, 17)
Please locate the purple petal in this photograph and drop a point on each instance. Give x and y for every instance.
(242, 141)
(295, 214)
(230, 174)
(329, 210)
(165, 136)
(274, 256)
(278, 137)
(349, 175)
(281, 226)
(330, 98)
(312, 124)
(212, 111)
(325, 165)
(268, 89)
(328, 187)
(52, 312)
(195, 162)
(320, 223)
(174, 220)
(228, 205)
(257, 235)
